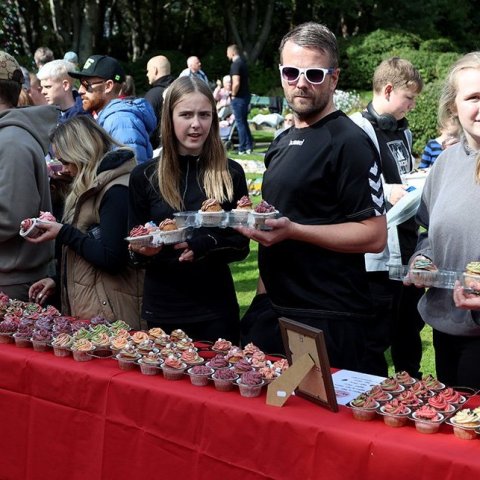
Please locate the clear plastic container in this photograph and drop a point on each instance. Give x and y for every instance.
(186, 219)
(437, 279)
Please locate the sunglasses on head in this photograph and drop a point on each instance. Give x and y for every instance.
(315, 75)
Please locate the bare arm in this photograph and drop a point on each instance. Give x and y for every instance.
(368, 235)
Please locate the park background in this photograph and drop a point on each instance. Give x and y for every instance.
(431, 34)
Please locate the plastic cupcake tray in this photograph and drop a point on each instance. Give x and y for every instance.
(437, 279)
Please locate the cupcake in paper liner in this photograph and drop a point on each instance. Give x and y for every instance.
(239, 215)
(423, 271)
(199, 375)
(262, 212)
(211, 213)
(471, 277)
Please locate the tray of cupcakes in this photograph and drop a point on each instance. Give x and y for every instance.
(401, 399)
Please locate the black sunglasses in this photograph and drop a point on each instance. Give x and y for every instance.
(88, 85)
(315, 75)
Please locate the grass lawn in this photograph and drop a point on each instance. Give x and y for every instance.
(245, 275)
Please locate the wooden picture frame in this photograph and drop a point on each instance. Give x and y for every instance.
(300, 339)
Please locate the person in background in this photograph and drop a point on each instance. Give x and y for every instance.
(287, 123)
(159, 77)
(42, 56)
(95, 278)
(223, 92)
(323, 175)
(128, 89)
(450, 229)
(396, 85)
(35, 90)
(57, 88)
(435, 146)
(189, 286)
(24, 190)
(240, 99)
(71, 57)
(129, 122)
(25, 100)
(194, 69)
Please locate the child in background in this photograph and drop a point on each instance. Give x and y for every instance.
(435, 146)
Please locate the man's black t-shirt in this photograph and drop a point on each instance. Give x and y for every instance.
(325, 174)
(239, 67)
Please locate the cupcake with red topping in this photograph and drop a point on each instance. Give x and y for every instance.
(223, 379)
(191, 357)
(379, 394)
(218, 361)
(432, 383)
(391, 385)
(395, 413)
(199, 375)
(452, 396)
(142, 235)
(169, 233)
(222, 346)
(408, 398)
(404, 378)
(262, 212)
(364, 407)
(439, 403)
(239, 215)
(427, 419)
(250, 384)
(173, 368)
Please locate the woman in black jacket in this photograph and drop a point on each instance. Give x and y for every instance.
(189, 286)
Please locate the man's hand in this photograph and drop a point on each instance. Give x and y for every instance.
(281, 229)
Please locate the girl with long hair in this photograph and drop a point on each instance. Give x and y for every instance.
(189, 286)
(94, 272)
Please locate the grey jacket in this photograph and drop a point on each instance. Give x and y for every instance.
(24, 190)
(448, 212)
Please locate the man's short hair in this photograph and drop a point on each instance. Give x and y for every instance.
(234, 49)
(399, 72)
(42, 56)
(56, 70)
(313, 35)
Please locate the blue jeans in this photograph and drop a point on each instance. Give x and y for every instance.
(240, 110)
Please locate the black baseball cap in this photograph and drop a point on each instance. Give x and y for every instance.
(101, 66)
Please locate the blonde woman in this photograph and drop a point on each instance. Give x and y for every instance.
(95, 277)
(189, 286)
(452, 229)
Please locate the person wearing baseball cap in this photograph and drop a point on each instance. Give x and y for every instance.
(24, 187)
(128, 121)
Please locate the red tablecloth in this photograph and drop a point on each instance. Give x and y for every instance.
(62, 419)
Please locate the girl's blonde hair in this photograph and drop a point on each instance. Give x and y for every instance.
(215, 176)
(446, 106)
(82, 142)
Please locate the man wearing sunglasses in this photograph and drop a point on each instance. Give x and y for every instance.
(323, 176)
(129, 121)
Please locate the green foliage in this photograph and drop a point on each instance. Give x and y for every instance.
(423, 119)
(444, 62)
(423, 61)
(438, 45)
(265, 81)
(367, 51)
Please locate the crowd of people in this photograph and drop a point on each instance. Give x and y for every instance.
(324, 262)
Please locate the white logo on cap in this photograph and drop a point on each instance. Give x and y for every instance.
(90, 61)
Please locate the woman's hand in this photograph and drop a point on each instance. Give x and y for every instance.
(143, 250)
(42, 289)
(49, 232)
(466, 301)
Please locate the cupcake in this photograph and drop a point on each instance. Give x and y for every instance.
(427, 419)
(471, 277)
(239, 215)
(379, 394)
(32, 227)
(173, 368)
(404, 378)
(260, 213)
(391, 385)
(242, 366)
(184, 344)
(250, 349)
(146, 346)
(155, 333)
(61, 345)
(423, 271)
(421, 391)
(40, 339)
(432, 383)
(177, 335)
(222, 346)
(211, 213)
(250, 384)
(199, 375)
(364, 407)
(139, 337)
(408, 398)
(217, 362)
(141, 235)
(127, 357)
(117, 343)
(169, 233)
(150, 363)
(7, 328)
(101, 341)
(81, 349)
(223, 379)
(191, 357)
(439, 403)
(452, 396)
(465, 422)
(395, 413)
(234, 355)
